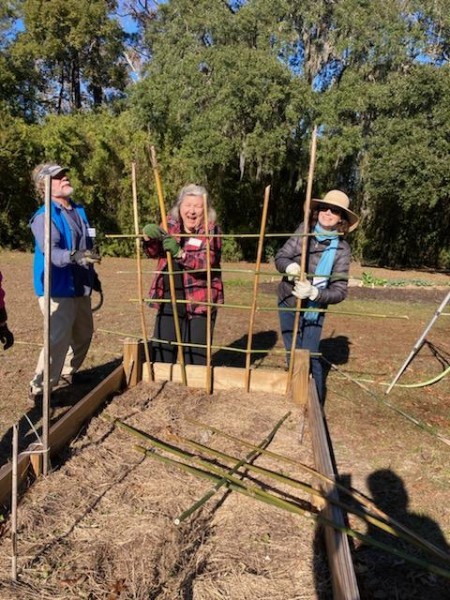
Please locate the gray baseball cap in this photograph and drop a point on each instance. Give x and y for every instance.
(51, 169)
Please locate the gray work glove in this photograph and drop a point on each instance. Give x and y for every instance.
(293, 271)
(85, 257)
(305, 289)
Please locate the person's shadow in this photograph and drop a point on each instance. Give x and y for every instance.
(381, 572)
(262, 340)
(336, 351)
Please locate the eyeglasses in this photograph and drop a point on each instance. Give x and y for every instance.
(333, 209)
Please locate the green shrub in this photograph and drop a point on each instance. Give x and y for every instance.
(231, 251)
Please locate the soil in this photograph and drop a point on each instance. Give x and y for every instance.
(101, 525)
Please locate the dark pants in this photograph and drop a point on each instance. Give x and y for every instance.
(308, 338)
(193, 331)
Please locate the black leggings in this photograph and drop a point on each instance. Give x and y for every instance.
(193, 330)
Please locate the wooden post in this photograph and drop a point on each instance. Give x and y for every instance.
(300, 377)
(64, 430)
(36, 458)
(132, 361)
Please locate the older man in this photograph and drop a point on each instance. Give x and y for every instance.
(72, 278)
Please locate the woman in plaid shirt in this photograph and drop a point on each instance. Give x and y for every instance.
(189, 254)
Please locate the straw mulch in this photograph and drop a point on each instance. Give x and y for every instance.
(101, 526)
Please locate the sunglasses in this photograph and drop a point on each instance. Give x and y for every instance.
(333, 209)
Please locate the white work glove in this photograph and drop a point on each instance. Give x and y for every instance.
(293, 270)
(305, 289)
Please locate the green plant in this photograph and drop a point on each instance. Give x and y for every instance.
(231, 252)
(369, 279)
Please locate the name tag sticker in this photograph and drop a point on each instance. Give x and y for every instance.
(195, 242)
(91, 231)
(320, 282)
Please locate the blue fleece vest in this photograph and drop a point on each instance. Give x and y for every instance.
(61, 277)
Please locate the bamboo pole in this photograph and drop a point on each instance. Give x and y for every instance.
(252, 455)
(213, 346)
(47, 322)
(169, 262)
(266, 272)
(303, 257)
(424, 426)
(419, 342)
(255, 288)
(383, 522)
(369, 513)
(139, 271)
(15, 452)
(287, 505)
(357, 496)
(208, 308)
(277, 309)
(227, 235)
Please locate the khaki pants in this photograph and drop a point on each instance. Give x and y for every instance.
(71, 329)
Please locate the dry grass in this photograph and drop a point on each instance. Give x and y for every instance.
(101, 526)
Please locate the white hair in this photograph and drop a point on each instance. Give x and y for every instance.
(193, 190)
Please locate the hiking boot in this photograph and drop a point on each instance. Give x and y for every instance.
(65, 380)
(34, 398)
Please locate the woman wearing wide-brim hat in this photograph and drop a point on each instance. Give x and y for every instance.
(327, 269)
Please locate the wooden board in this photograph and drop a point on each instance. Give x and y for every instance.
(69, 425)
(62, 431)
(343, 575)
(223, 378)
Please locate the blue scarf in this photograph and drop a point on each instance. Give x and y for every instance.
(324, 266)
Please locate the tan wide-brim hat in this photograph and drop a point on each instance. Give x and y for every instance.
(341, 200)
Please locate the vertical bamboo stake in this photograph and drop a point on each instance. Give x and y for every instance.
(169, 263)
(208, 308)
(47, 322)
(255, 287)
(15, 450)
(139, 271)
(305, 241)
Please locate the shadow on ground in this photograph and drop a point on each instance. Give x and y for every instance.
(62, 400)
(263, 341)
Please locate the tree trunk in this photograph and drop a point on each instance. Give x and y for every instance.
(76, 85)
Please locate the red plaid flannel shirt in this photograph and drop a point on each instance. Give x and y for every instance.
(195, 284)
